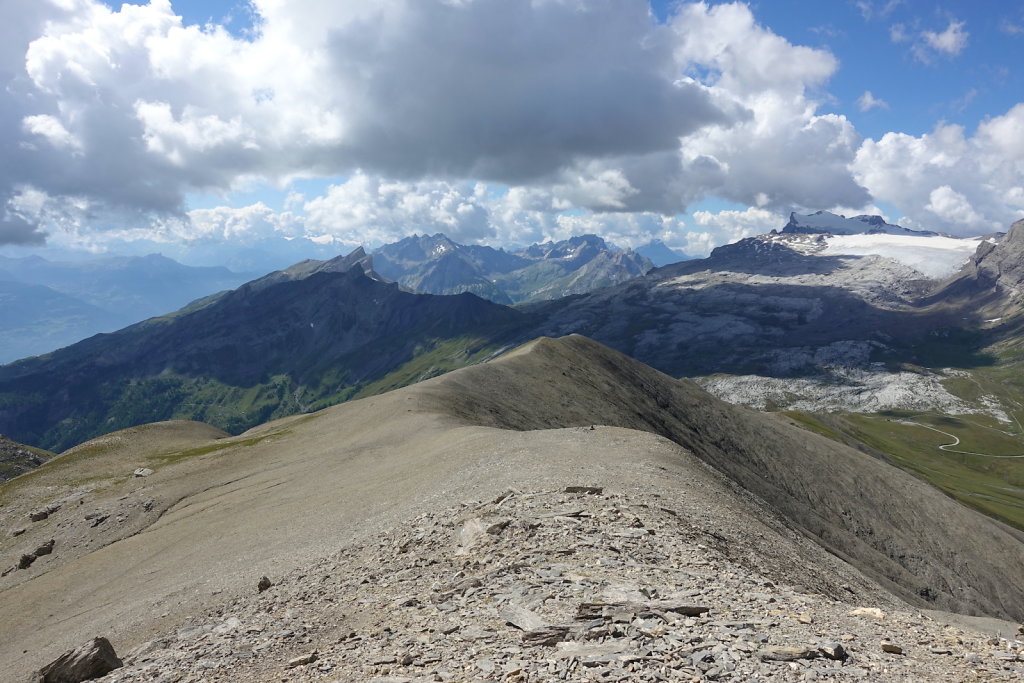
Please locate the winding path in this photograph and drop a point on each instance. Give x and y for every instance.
(956, 442)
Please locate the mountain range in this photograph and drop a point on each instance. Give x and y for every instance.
(45, 305)
(437, 265)
(799, 321)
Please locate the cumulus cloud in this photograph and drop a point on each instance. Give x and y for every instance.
(506, 121)
(948, 180)
(783, 152)
(132, 109)
(867, 102)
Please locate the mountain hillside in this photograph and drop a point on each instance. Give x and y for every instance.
(289, 342)
(417, 530)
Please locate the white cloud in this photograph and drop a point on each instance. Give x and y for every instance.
(509, 121)
(782, 152)
(926, 45)
(516, 91)
(952, 41)
(946, 180)
(867, 102)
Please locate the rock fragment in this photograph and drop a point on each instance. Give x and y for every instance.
(85, 663)
(832, 650)
(303, 660)
(548, 635)
(785, 653)
(891, 648)
(263, 584)
(589, 490)
(522, 618)
(142, 472)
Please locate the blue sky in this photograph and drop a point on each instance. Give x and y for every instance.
(336, 122)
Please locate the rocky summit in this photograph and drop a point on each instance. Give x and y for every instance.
(562, 512)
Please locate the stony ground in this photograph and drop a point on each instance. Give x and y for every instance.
(545, 585)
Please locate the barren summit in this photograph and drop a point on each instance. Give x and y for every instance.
(362, 517)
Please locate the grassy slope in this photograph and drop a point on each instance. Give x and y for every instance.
(988, 363)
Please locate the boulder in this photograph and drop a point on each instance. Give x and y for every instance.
(85, 663)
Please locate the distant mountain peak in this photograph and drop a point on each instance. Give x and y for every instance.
(826, 222)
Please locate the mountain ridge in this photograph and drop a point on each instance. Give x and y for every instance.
(319, 495)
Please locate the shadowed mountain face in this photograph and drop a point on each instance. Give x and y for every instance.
(217, 513)
(273, 347)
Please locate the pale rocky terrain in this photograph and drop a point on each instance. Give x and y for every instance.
(419, 534)
(547, 585)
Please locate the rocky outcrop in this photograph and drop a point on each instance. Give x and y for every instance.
(17, 459)
(993, 278)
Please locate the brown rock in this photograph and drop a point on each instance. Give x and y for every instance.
(38, 515)
(891, 648)
(45, 549)
(85, 663)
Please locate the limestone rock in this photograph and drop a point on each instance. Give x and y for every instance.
(85, 663)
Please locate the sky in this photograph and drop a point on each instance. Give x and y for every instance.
(212, 130)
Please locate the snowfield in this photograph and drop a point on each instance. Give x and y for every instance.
(936, 257)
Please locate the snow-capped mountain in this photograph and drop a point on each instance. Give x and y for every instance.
(932, 255)
(825, 222)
